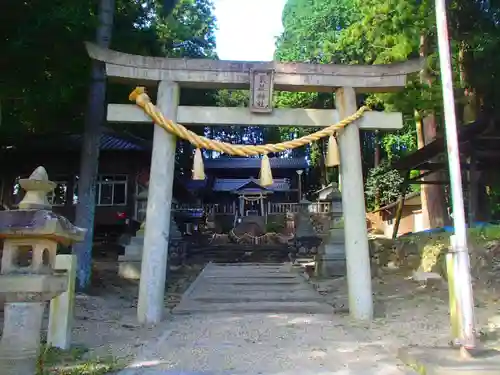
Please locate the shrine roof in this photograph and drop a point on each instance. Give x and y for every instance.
(110, 141)
(331, 185)
(235, 184)
(254, 163)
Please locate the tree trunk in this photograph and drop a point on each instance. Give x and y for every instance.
(377, 155)
(469, 101)
(324, 172)
(432, 196)
(476, 195)
(89, 159)
(376, 163)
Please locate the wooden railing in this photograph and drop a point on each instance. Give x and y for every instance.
(272, 208)
(209, 209)
(220, 209)
(320, 207)
(283, 208)
(231, 208)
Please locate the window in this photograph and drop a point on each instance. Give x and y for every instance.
(110, 190)
(140, 203)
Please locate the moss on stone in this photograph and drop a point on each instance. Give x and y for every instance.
(427, 252)
(72, 362)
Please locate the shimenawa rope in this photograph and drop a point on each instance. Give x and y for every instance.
(142, 99)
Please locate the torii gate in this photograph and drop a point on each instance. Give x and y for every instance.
(261, 77)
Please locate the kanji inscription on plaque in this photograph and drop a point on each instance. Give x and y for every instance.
(261, 90)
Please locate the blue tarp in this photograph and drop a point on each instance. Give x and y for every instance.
(450, 229)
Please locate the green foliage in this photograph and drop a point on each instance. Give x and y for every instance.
(44, 70)
(311, 26)
(485, 233)
(191, 25)
(388, 31)
(384, 183)
(275, 226)
(232, 98)
(72, 362)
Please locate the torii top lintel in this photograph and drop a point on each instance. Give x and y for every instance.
(205, 73)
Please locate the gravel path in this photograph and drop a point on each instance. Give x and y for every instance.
(264, 344)
(272, 343)
(280, 344)
(407, 313)
(282, 341)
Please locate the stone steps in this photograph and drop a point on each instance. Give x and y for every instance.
(251, 288)
(244, 288)
(277, 307)
(257, 296)
(225, 255)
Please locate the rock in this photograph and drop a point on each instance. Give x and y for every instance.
(494, 322)
(425, 276)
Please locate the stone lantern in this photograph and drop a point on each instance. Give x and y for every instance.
(331, 260)
(129, 264)
(306, 238)
(28, 280)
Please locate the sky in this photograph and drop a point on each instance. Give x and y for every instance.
(247, 28)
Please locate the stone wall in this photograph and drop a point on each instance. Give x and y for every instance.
(321, 223)
(426, 252)
(224, 223)
(276, 223)
(419, 252)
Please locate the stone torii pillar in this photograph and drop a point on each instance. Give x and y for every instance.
(353, 203)
(150, 307)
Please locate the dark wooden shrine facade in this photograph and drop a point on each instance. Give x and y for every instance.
(479, 149)
(124, 172)
(123, 164)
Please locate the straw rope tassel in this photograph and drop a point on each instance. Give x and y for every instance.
(266, 176)
(332, 154)
(198, 168)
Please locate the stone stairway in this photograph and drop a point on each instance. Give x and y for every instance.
(232, 253)
(251, 288)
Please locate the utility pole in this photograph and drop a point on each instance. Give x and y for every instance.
(462, 287)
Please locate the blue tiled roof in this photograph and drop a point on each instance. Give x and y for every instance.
(254, 163)
(70, 142)
(111, 143)
(195, 184)
(232, 184)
